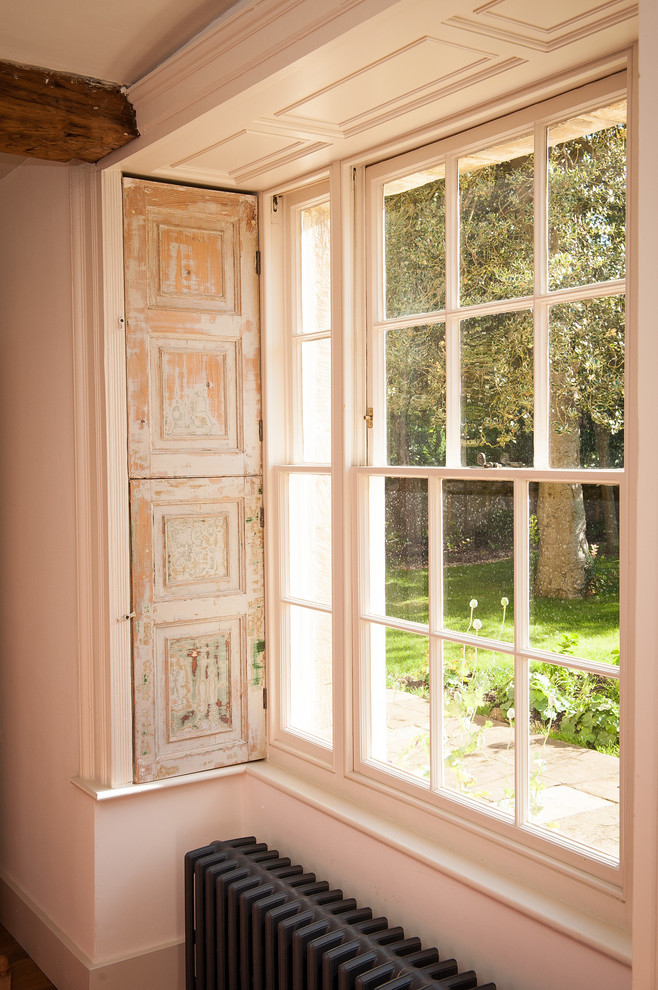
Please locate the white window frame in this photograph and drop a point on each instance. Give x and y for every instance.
(555, 868)
(535, 119)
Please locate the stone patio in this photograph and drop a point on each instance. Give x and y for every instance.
(574, 791)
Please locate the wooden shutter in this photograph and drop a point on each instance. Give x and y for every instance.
(193, 364)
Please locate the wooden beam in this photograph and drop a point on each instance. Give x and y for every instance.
(59, 117)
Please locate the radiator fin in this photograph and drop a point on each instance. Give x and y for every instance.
(256, 921)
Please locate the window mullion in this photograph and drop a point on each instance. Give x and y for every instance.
(521, 639)
(541, 354)
(435, 617)
(453, 417)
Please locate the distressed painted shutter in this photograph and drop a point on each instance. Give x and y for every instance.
(193, 365)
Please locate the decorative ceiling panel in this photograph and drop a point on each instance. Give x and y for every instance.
(544, 27)
(411, 76)
(243, 155)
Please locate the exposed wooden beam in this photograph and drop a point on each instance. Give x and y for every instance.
(60, 117)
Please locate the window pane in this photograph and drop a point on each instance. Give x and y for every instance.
(574, 755)
(399, 683)
(399, 548)
(416, 395)
(478, 566)
(497, 388)
(587, 198)
(315, 269)
(309, 528)
(574, 570)
(478, 724)
(310, 685)
(587, 383)
(414, 243)
(496, 222)
(316, 401)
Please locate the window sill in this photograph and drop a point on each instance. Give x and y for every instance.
(544, 908)
(101, 792)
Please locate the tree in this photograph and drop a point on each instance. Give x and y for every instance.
(586, 245)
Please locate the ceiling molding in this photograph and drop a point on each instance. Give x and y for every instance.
(490, 22)
(241, 48)
(61, 118)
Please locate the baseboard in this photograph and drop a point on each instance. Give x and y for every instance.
(69, 968)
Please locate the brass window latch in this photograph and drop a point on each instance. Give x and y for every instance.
(368, 417)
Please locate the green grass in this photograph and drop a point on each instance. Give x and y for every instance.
(586, 627)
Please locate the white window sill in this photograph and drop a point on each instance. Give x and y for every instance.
(548, 910)
(101, 792)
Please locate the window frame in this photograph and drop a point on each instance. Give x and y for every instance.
(552, 866)
(532, 120)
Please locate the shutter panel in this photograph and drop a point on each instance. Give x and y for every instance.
(193, 363)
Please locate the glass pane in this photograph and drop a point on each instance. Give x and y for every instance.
(587, 198)
(414, 243)
(478, 565)
(497, 389)
(399, 682)
(574, 570)
(309, 529)
(416, 395)
(574, 755)
(316, 401)
(310, 686)
(315, 269)
(399, 548)
(586, 345)
(496, 222)
(478, 724)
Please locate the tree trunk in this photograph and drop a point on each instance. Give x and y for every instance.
(563, 547)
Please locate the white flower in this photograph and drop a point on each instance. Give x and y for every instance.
(504, 602)
(477, 624)
(474, 603)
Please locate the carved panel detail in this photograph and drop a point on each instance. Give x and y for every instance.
(197, 385)
(199, 683)
(193, 266)
(191, 263)
(199, 549)
(196, 548)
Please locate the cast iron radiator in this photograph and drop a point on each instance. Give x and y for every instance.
(255, 921)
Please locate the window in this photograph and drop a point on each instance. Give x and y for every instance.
(482, 496)
(305, 613)
(490, 604)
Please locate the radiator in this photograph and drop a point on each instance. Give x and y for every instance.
(255, 921)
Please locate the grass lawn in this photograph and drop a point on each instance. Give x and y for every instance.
(586, 627)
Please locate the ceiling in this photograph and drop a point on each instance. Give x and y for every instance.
(392, 74)
(117, 42)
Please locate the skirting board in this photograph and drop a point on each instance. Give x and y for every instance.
(70, 969)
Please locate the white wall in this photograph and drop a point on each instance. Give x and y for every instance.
(46, 843)
(102, 879)
(501, 944)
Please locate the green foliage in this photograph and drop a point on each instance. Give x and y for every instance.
(587, 215)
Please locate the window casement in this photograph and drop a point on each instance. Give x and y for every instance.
(303, 485)
(492, 499)
(475, 590)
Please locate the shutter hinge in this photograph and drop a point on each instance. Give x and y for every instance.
(262, 517)
(258, 262)
(264, 697)
(260, 430)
